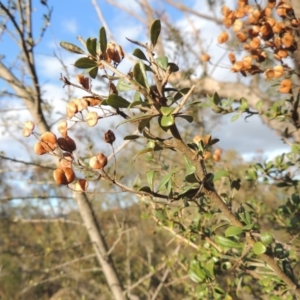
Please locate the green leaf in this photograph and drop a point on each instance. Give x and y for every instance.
(150, 178)
(191, 169)
(71, 48)
(124, 86)
(234, 118)
(131, 137)
(139, 73)
(162, 62)
(93, 73)
(91, 45)
(220, 174)
(85, 63)
(167, 121)
(216, 98)
(146, 150)
(166, 111)
(137, 118)
(259, 105)
(188, 118)
(164, 181)
(233, 231)
(173, 67)
(117, 102)
(227, 243)
(181, 93)
(139, 54)
(102, 40)
(259, 248)
(155, 31)
(266, 238)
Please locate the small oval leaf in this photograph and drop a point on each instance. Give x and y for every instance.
(233, 231)
(85, 63)
(102, 40)
(71, 48)
(139, 54)
(166, 111)
(117, 102)
(167, 121)
(91, 45)
(259, 248)
(155, 31)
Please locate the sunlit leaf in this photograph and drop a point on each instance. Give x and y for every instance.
(71, 48)
(124, 86)
(233, 231)
(167, 121)
(234, 118)
(150, 178)
(136, 118)
(259, 248)
(146, 150)
(219, 174)
(166, 111)
(266, 238)
(227, 243)
(162, 62)
(164, 181)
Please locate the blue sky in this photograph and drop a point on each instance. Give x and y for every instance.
(78, 17)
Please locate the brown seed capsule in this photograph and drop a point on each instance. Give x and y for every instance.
(241, 36)
(84, 81)
(64, 176)
(223, 37)
(98, 162)
(66, 161)
(109, 137)
(278, 71)
(269, 74)
(49, 141)
(66, 144)
(81, 185)
(205, 57)
(72, 109)
(92, 118)
(63, 128)
(231, 57)
(207, 155)
(39, 149)
(28, 128)
(285, 86)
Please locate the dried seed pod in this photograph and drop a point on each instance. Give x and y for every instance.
(64, 175)
(63, 128)
(93, 101)
(278, 71)
(39, 149)
(205, 57)
(119, 49)
(66, 161)
(72, 109)
(98, 162)
(285, 86)
(237, 66)
(237, 25)
(49, 141)
(81, 185)
(66, 144)
(231, 57)
(287, 39)
(207, 155)
(241, 36)
(269, 74)
(28, 128)
(92, 118)
(84, 81)
(223, 37)
(255, 43)
(109, 137)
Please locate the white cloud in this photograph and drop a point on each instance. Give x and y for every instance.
(70, 26)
